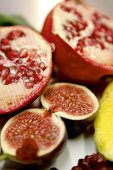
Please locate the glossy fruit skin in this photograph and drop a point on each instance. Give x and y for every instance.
(69, 65)
(35, 92)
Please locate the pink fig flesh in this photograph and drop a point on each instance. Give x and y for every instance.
(70, 101)
(33, 136)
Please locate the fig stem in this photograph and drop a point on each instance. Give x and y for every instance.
(3, 157)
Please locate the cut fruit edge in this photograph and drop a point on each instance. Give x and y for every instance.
(89, 116)
(11, 151)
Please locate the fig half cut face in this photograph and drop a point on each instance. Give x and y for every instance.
(76, 104)
(33, 136)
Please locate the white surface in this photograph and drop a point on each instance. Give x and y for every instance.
(35, 11)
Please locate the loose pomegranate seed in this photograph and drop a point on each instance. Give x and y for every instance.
(11, 55)
(5, 45)
(15, 34)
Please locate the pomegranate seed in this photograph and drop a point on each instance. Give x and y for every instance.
(15, 34)
(25, 78)
(33, 64)
(13, 78)
(5, 45)
(23, 53)
(5, 72)
(30, 72)
(109, 39)
(8, 80)
(22, 68)
(11, 55)
(38, 71)
(71, 10)
(37, 78)
(18, 62)
(1, 67)
(42, 66)
(19, 74)
(29, 85)
(1, 57)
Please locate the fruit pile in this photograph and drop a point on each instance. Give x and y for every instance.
(83, 40)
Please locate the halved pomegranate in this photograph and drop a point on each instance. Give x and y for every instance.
(33, 136)
(83, 36)
(76, 104)
(25, 67)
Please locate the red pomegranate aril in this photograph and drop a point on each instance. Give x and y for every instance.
(1, 67)
(22, 68)
(37, 78)
(30, 72)
(71, 10)
(33, 64)
(23, 53)
(11, 55)
(5, 72)
(1, 57)
(42, 66)
(18, 62)
(15, 34)
(19, 74)
(29, 85)
(109, 39)
(5, 45)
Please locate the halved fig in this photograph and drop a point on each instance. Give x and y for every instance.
(33, 136)
(25, 67)
(83, 37)
(76, 104)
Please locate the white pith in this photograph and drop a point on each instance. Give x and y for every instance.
(12, 151)
(46, 104)
(91, 52)
(17, 93)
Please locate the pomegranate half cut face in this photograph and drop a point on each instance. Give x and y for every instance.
(83, 37)
(25, 67)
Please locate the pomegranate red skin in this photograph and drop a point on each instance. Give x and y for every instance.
(70, 66)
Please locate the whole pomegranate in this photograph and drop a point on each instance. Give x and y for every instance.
(83, 37)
